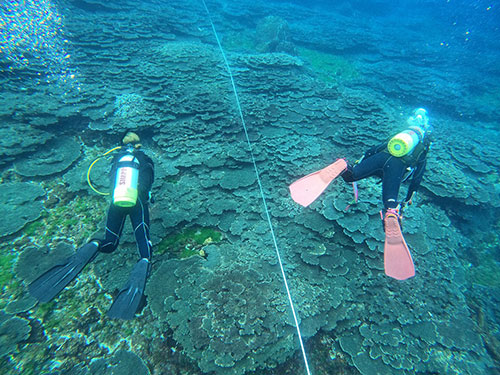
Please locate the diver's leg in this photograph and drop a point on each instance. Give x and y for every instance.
(129, 299)
(370, 166)
(394, 170)
(114, 227)
(140, 222)
(397, 258)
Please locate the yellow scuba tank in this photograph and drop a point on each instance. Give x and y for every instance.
(403, 143)
(126, 181)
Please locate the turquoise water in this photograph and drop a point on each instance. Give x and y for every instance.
(314, 82)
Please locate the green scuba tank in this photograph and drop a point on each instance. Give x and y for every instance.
(127, 178)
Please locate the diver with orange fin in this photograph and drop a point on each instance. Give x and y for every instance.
(396, 160)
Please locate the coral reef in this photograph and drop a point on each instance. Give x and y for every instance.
(272, 34)
(215, 299)
(122, 362)
(13, 330)
(54, 157)
(190, 242)
(329, 67)
(13, 142)
(235, 325)
(20, 205)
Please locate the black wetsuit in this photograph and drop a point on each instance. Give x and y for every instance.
(393, 170)
(139, 214)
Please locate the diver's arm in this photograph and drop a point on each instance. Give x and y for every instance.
(418, 174)
(150, 167)
(420, 168)
(147, 171)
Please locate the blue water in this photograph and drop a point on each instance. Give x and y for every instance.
(302, 83)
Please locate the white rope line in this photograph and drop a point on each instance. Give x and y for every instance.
(261, 190)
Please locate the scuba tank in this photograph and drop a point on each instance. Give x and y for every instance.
(404, 143)
(127, 177)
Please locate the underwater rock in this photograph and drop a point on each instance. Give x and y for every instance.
(20, 204)
(272, 34)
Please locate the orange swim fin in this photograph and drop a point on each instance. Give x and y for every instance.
(397, 258)
(305, 190)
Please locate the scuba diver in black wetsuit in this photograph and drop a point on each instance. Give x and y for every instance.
(132, 176)
(396, 160)
(401, 157)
